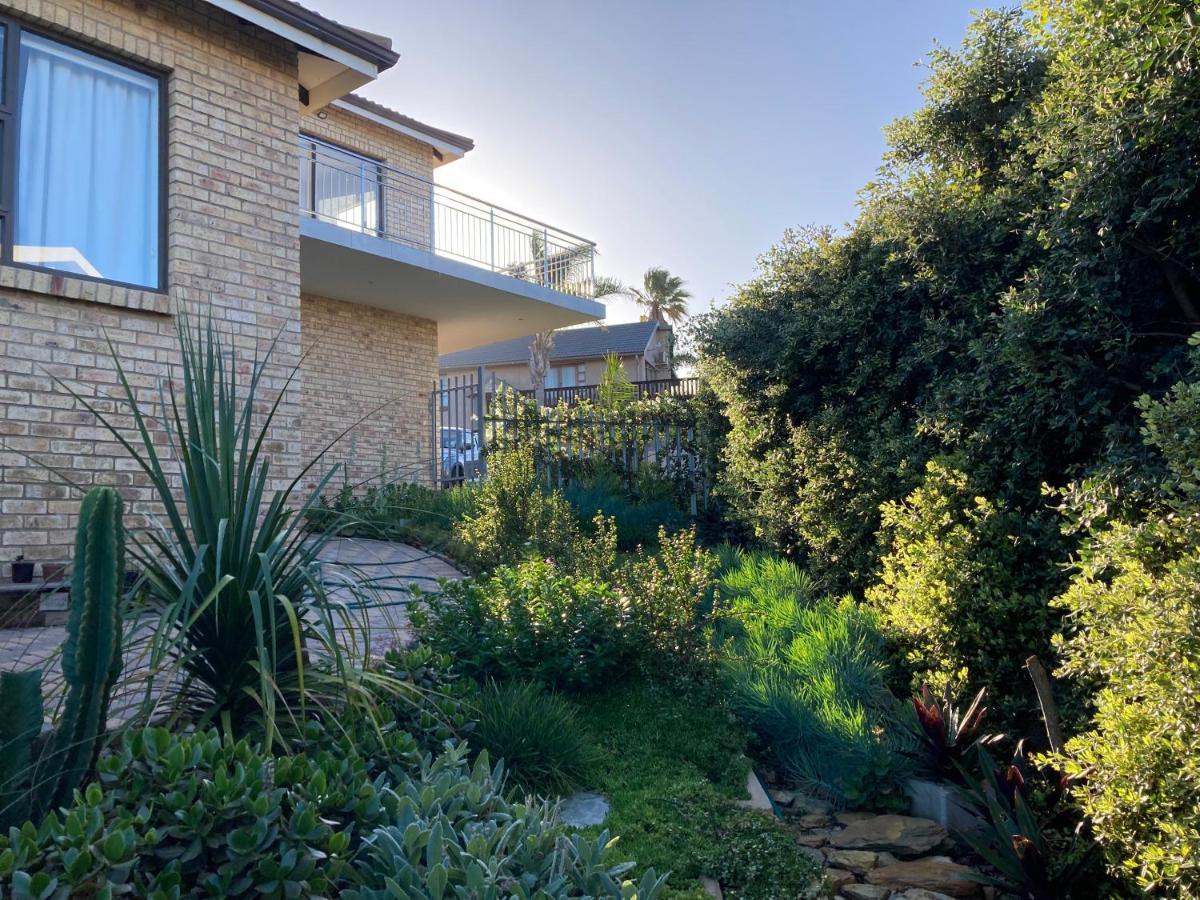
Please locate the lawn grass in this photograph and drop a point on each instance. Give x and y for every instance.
(673, 765)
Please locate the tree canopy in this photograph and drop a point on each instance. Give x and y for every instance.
(1023, 268)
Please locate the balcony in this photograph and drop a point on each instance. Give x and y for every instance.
(380, 236)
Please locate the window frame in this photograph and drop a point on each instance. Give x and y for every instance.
(10, 115)
(310, 202)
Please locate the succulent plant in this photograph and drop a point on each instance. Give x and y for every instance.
(91, 655)
(20, 725)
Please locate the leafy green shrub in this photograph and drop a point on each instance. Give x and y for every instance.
(454, 834)
(534, 620)
(515, 516)
(810, 680)
(964, 592)
(536, 733)
(197, 816)
(667, 591)
(1133, 629)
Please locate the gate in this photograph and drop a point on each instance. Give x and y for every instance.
(456, 414)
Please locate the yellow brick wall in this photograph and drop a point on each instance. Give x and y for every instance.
(374, 367)
(405, 200)
(233, 249)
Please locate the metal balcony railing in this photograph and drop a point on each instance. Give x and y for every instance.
(374, 198)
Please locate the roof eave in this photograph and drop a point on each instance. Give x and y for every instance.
(315, 33)
(432, 137)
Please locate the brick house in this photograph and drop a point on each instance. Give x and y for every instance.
(211, 156)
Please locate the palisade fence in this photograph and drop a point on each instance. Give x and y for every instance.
(659, 434)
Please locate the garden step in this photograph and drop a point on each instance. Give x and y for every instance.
(55, 608)
(903, 835)
(937, 874)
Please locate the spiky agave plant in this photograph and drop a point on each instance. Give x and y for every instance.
(245, 633)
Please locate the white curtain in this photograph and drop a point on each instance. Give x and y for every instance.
(87, 165)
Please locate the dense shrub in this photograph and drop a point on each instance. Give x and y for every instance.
(668, 592)
(575, 628)
(536, 733)
(810, 680)
(1133, 629)
(1022, 269)
(963, 590)
(533, 620)
(516, 516)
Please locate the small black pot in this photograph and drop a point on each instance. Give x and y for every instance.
(22, 571)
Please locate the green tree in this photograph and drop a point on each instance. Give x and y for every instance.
(1023, 268)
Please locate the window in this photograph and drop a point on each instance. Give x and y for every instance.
(561, 377)
(80, 189)
(339, 186)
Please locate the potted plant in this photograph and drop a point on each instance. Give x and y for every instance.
(22, 570)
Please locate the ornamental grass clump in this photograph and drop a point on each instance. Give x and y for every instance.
(537, 734)
(810, 680)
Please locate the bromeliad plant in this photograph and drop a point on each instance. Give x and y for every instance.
(245, 633)
(946, 734)
(1017, 844)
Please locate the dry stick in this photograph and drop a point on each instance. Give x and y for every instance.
(1041, 683)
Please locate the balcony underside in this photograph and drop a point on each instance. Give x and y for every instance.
(471, 305)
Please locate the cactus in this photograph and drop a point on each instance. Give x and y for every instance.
(91, 657)
(20, 724)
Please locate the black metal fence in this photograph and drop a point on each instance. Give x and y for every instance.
(475, 413)
(628, 438)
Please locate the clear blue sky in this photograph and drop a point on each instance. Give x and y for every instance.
(682, 134)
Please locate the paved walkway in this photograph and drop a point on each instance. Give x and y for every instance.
(370, 577)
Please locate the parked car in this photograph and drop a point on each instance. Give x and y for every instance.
(460, 455)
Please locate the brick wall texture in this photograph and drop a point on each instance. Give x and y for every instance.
(373, 367)
(233, 251)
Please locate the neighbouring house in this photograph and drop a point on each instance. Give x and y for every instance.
(577, 359)
(210, 156)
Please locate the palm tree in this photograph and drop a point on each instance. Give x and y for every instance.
(662, 296)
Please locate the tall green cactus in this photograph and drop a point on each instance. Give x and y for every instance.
(20, 724)
(91, 658)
